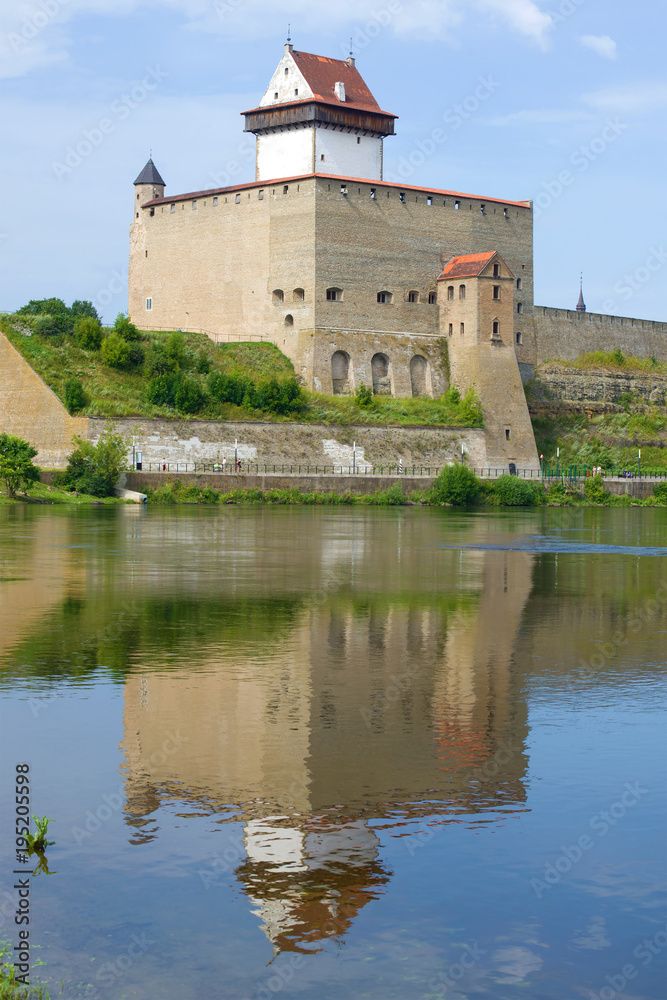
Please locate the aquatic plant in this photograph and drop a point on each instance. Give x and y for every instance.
(37, 842)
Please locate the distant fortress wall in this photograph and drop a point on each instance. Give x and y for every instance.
(563, 334)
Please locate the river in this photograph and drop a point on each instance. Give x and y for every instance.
(333, 753)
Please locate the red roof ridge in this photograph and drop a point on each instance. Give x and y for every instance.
(469, 265)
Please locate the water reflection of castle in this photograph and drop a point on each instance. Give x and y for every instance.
(373, 707)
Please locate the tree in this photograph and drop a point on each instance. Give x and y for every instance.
(190, 396)
(16, 469)
(94, 469)
(174, 350)
(115, 351)
(88, 333)
(81, 309)
(363, 395)
(456, 484)
(125, 328)
(75, 395)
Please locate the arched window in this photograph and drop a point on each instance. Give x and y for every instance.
(289, 320)
(334, 294)
(450, 293)
(432, 298)
(278, 296)
(519, 307)
(413, 296)
(381, 375)
(298, 295)
(462, 291)
(418, 370)
(519, 283)
(519, 338)
(340, 373)
(384, 298)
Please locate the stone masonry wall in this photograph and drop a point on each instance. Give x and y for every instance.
(180, 441)
(565, 334)
(555, 382)
(256, 261)
(32, 411)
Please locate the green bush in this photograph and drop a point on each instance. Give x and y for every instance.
(452, 395)
(660, 492)
(175, 350)
(161, 390)
(594, 490)
(75, 396)
(393, 497)
(471, 407)
(115, 351)
(456, 484)
(203, 363)
(228, 387)
(48, 325)
(511, 491)
(88, 333)
(363, 396)
(127, 330)
(618, 357)
(189, 397)
(94, 469)
(17, 471)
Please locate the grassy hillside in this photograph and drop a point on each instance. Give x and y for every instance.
(611, 440)
(114, 392)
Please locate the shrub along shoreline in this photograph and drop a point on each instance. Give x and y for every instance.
(456, 486)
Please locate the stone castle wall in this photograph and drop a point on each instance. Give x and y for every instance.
(564, 334)
(32, 411)
(257, 261)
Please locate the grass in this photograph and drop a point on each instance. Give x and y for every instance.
(40, 493)
(9, 988)
(115, 393)
(614, 361)
(611, 440)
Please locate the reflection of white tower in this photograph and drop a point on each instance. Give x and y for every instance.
(308, 882)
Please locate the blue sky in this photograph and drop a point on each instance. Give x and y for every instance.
(561, 101)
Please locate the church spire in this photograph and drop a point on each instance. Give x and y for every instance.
(581, 305)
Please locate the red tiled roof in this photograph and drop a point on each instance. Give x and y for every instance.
(275, 181)
(467, 265)
(322, 74)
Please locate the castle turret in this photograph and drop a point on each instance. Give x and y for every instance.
(318, 117)
(148, 185)
(581, 305)
(476, 304)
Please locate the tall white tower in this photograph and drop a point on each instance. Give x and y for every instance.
(318, 117)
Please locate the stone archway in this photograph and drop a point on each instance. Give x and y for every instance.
(380, 370)
(340, 373)
(418, 375)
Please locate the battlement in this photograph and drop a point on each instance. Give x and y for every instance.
(565, 334)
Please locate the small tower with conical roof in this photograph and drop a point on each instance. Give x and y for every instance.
(581, 305)
(148, 185)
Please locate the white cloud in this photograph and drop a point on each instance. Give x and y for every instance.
(524, 16)
(34, 35)
(633, 98)
(602, 44)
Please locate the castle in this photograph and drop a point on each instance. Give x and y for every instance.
(356, 279)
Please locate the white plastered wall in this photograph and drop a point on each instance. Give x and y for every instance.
(285, 154)
(346, 157)
(284, 84)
